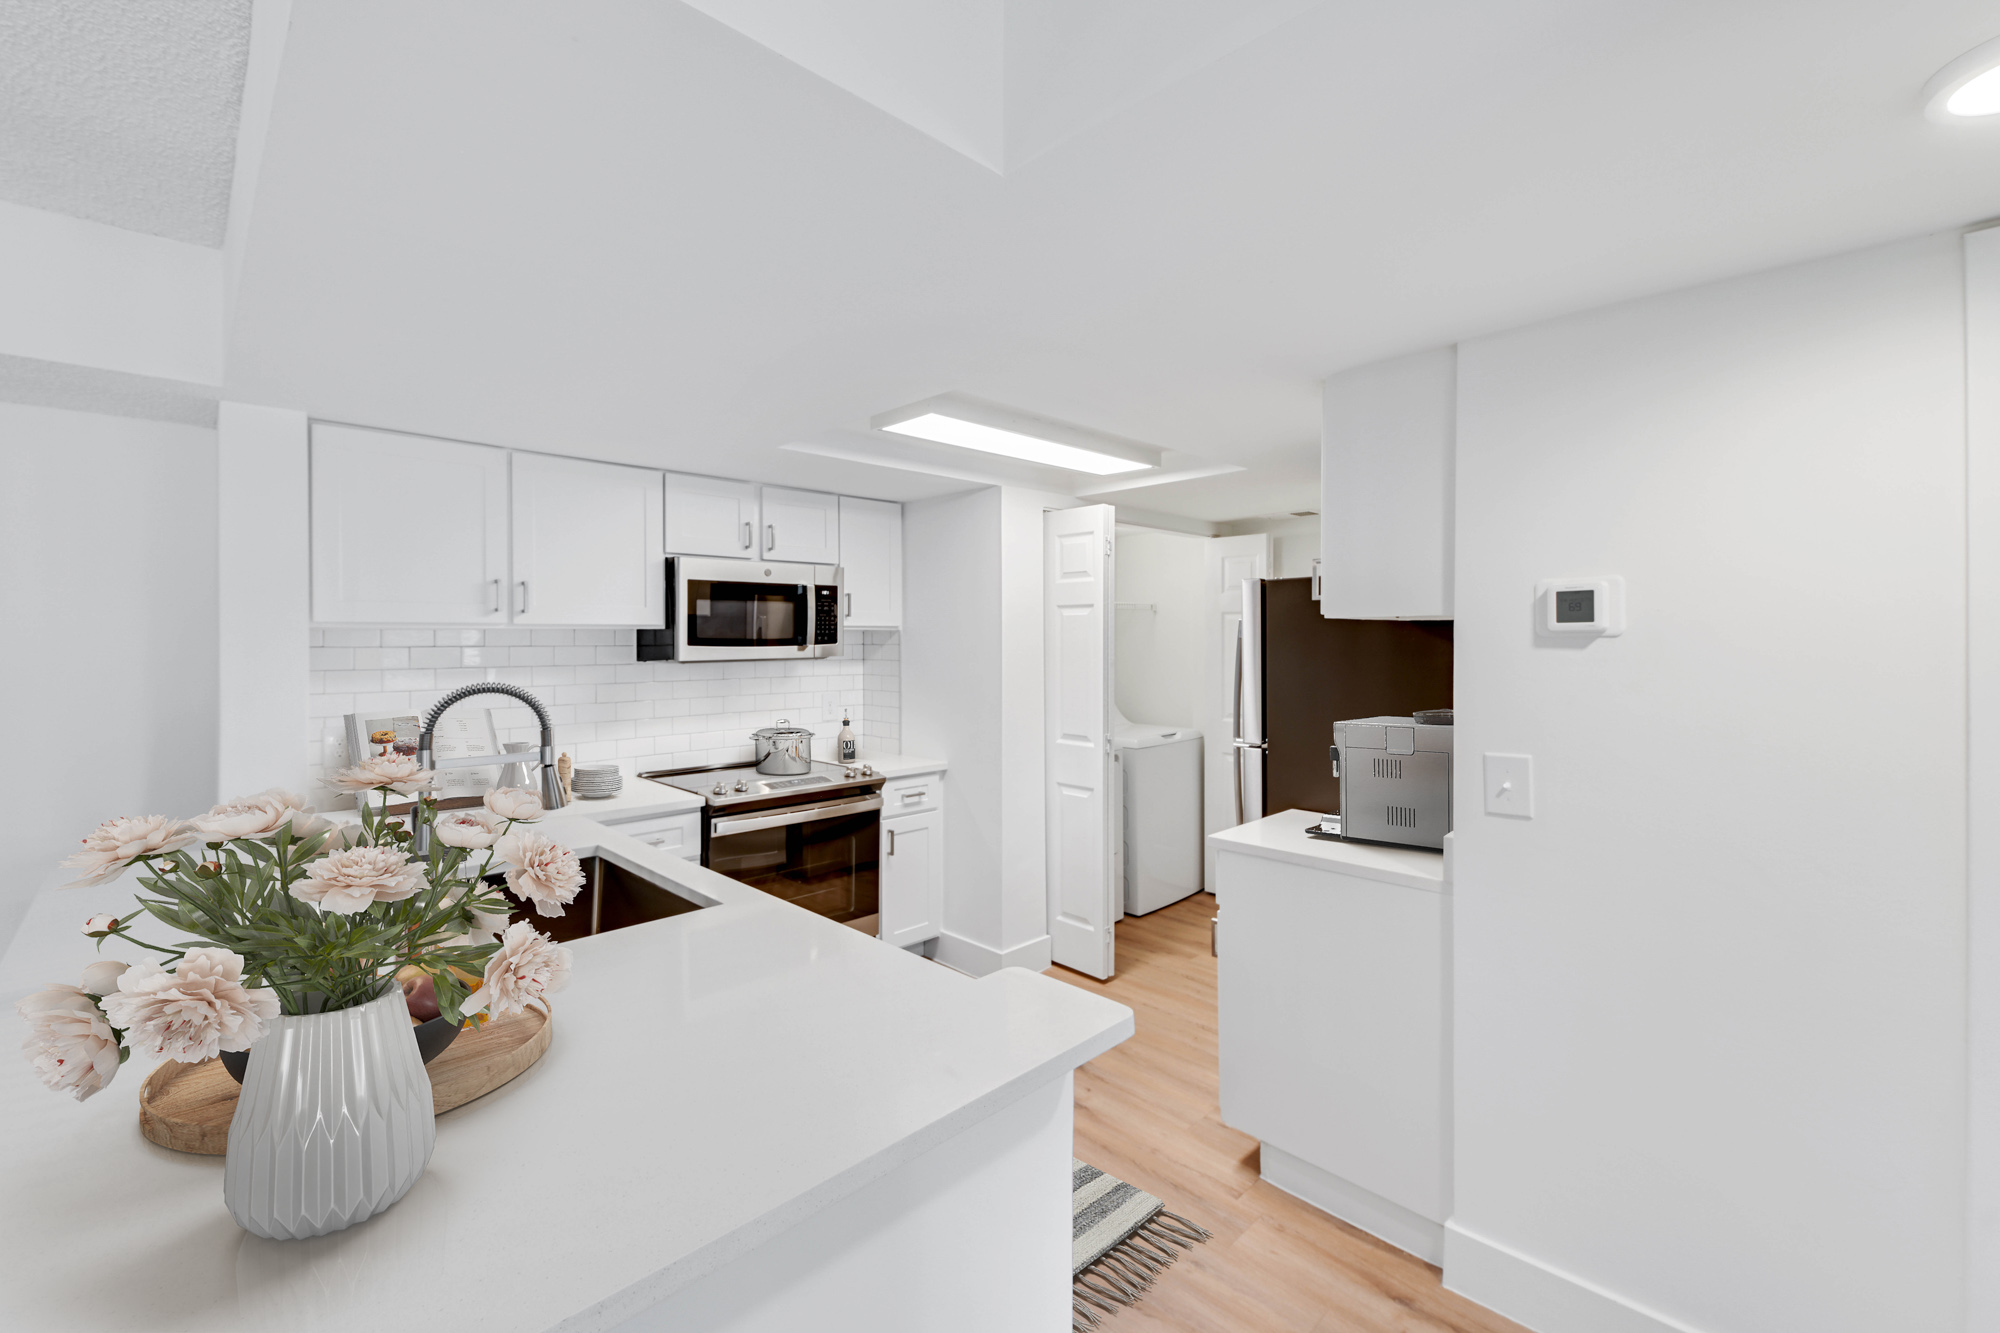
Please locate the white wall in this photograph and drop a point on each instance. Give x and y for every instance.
(1159, 655)
(1982, 359)
(1710, 1000)
(107, 589)
(951, 699)
(263, 600)
(972, 696)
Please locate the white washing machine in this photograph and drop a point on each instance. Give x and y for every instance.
(1159, 770)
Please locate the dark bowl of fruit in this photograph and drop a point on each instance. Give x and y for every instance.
(434, 1032)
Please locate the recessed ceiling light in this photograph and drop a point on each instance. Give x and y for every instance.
(1967, 88)
(968, 423)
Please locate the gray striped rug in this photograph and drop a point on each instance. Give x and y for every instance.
(1121, 1239)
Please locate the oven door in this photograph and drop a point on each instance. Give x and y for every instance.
(819, 857)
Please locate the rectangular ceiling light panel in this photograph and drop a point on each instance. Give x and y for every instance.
(993, 440)
(968, 424)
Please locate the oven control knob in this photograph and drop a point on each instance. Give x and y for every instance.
(720, 790)
(741, 785)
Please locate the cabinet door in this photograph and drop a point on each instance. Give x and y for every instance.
(801, 526)
(871, 563)
(912, 883)
(710, 516)
(407, 529)
(587, 543)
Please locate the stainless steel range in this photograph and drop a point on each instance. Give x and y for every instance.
(811, 839)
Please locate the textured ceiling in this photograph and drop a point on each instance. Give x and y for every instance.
(121, 112)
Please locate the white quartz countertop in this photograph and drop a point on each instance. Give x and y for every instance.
(1282, 837)
(715, 1078)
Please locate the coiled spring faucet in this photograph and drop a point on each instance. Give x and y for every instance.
(552, 793)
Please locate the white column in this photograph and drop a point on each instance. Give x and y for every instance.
(264, 584)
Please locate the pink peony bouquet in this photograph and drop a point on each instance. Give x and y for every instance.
(287, 913)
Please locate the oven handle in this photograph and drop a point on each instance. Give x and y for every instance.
(722, 828)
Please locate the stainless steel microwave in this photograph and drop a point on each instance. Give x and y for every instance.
(745, 610)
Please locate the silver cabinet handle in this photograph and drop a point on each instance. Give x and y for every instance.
(496, 597)
(1318, 591)
(524, 597)
(850, 605)
(746, 534)
(892, 841)
(770, 538)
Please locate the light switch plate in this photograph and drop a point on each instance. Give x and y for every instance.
(1510, 785)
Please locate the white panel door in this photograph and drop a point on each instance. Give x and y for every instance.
(912, 878)
(871, 563)
(587, 543)
(801, 526)
(1229, 561)
(1076, 648)
(407, 529)
(711, 516)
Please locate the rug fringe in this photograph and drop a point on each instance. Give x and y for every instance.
(1126, 1272)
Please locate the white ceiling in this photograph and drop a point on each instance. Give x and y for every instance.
(123, 113)
(623, 228)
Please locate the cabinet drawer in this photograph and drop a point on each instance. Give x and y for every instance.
(906, 796)
(678, 834)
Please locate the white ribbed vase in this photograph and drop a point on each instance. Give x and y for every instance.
(333, 1123)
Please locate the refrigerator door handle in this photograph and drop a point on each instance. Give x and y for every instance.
(1236, 712)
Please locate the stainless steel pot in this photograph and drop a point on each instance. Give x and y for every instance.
(783, 750)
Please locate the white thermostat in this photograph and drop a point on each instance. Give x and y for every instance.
(1580, 606)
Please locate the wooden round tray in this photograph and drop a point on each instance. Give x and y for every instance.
(188, 1107)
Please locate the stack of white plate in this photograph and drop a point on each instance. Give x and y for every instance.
(594, 782)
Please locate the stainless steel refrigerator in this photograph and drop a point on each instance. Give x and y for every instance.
(1298, 673)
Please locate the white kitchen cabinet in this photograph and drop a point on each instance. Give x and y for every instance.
(407, 529)
(800, 526)
(871, 561)
(1331, 1022)
(1386, 478)
(711, 516)
(587, 543)
(912, 877)
(677, 835)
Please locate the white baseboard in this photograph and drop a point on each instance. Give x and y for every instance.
(1543, 1298)
(1380, 1217)
(978, 960)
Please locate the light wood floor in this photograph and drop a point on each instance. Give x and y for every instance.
(1147, 1113)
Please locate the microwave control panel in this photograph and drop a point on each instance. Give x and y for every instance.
(826, 613)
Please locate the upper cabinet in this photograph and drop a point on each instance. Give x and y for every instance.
(871, 560)
(587, 542)
(710, 516)
(800, 526)
(1386, 479)
(406, 529)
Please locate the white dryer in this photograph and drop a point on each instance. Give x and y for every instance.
(1159, 769)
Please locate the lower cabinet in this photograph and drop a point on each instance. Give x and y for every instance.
(912, 882)
(678, 835)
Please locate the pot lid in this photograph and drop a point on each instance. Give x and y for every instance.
(783, 730)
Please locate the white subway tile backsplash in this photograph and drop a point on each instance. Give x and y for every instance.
(604, 704)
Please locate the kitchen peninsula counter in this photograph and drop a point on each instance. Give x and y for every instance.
(750, 1118)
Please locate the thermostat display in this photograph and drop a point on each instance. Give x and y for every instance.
(1576, 606)
(1581, 606)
